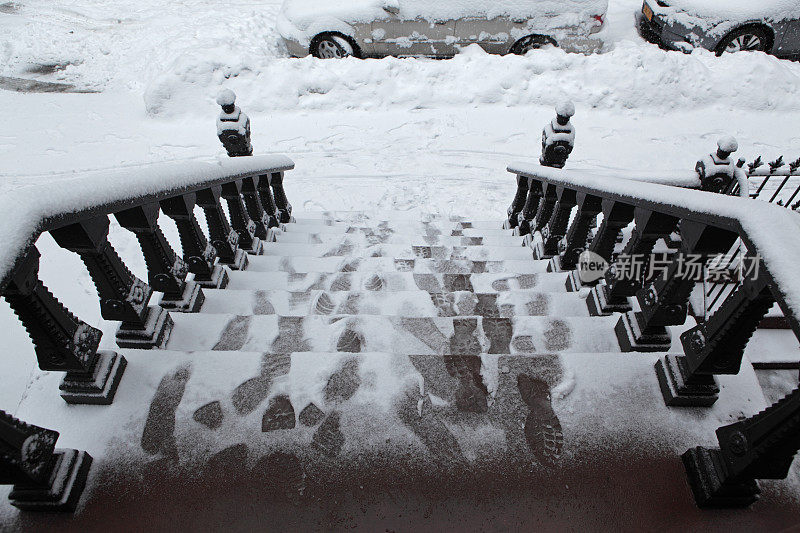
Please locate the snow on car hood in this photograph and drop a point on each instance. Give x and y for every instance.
(727, 13)
(301, 19)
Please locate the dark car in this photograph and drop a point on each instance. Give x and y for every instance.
(771, 26)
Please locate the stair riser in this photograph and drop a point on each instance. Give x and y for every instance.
(462, 336)
(406, 304)
(400, 251)
(396, 281)
(265, 263)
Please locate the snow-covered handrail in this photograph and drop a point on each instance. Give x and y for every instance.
(699, 225)
(75, 209)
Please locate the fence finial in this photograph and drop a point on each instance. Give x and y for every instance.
(233, 126)
(558, 137)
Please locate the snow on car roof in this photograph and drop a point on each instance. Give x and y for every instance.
(366, 10)
(740, 10)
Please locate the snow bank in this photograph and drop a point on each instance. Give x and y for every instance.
(26, 207)
(629, 77)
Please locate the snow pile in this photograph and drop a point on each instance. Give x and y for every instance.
(739, 10)
(631, 76)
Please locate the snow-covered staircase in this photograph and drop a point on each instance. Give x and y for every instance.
(401, 365)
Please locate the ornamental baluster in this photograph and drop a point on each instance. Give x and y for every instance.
(254, 206)
(268, 202)
(517, 203)
(166, 272)
(223, 238)
(123, 296)
(62, 342)
(556, 227)
(612, 296)
(529, 210)
(715, 347)
(575, 240)
(760, 447)
(240, 219)
(616, 216)
(664, 301)
(199, 255)
(44, 479)
(282, 203)
(546, 207)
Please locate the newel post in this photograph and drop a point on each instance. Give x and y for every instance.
(166, 272)
(199, 255)
(62, 342)
(223, 238)
(44, 478)
(123, 296)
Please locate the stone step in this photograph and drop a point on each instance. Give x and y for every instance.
(374, 221)
(386, 303)
(397, 281)
(307, 438)
(400, 251)
(336, 333)
(274, 263)
(366, 238)
(429, 228)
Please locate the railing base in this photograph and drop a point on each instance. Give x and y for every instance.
(155, 334)
(257, 248)
(219, 279)
(598, 305)
(574, 283)
(65, 488)
(555, 264)
(272, 234)
(191, 301)
(705, 470)
(240, 261)
(98, 386)
(632, 339)
(677, 392)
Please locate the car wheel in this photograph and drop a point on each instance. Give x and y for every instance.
(744, 39)
(531, 42)
(329, 46)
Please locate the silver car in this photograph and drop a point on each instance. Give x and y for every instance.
(430, 28)
(771, 26)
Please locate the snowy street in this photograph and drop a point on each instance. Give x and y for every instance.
(422, 139)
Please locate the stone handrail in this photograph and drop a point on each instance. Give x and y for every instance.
(691, 223)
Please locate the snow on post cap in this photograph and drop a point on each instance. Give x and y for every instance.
(728, 144)
(226, 97)
(565, 109)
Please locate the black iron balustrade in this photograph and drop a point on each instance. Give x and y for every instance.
(707, 225)
(62, 341)
(44, 478)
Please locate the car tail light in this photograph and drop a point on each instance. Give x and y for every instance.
(599, 18)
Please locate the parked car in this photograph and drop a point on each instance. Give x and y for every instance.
(379, 28)
(771, 26)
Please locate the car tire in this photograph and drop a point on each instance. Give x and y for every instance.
(531, 42)
(749, 38)
(331, 46)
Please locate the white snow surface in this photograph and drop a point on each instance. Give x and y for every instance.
(740, 10)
